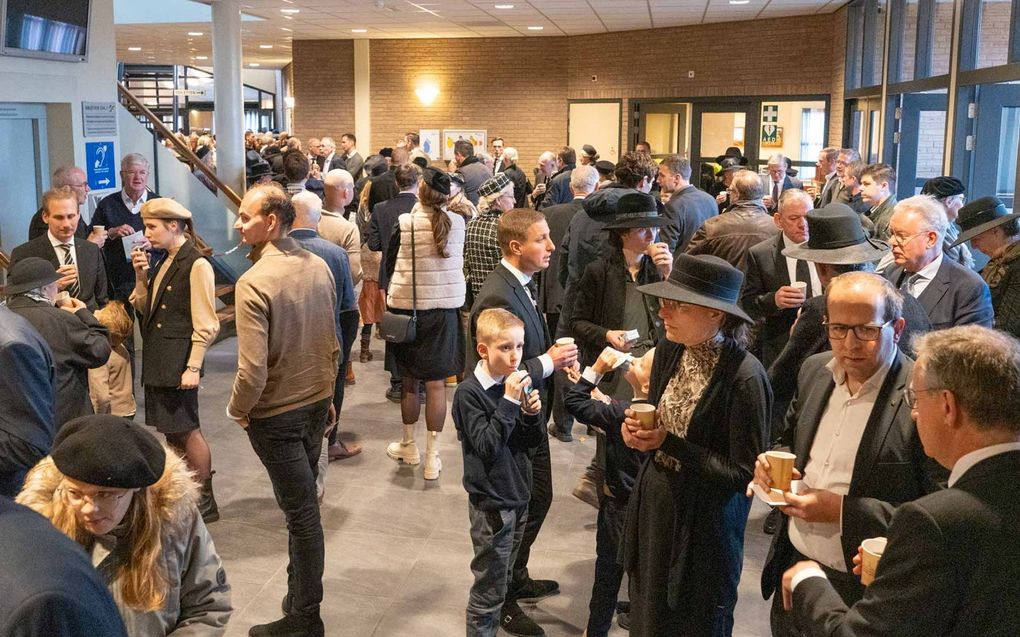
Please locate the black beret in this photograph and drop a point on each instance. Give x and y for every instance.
(605, 167)
(108, 451)
(943, 187)
(437, 180)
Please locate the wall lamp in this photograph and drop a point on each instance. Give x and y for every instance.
(427, 93)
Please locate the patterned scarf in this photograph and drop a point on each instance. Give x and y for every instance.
(997, 267)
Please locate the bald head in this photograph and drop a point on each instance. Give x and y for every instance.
(339, 189)
(307, 210)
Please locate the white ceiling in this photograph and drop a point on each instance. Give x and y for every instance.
(164, 38)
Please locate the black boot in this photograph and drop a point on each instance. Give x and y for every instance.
(207, 502)
(366, 348)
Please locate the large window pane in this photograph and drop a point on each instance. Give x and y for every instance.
(993, 33)
(942, 37)
(1005, 179)
(908, 39)
(875, 27)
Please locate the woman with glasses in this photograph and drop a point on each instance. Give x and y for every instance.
(130, 503)
(683, 543)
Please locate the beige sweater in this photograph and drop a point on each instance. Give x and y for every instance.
(440, 281)
(287, 351)
(333, 227)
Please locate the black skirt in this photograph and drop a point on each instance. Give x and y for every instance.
(171, 410)
(438, 350)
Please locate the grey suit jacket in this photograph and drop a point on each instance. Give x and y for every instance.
(91, 269)
(950, 569)
(890, 466)
(829, 193)
(355, 163)
(688, 209)
(956, 296)
(880, 217)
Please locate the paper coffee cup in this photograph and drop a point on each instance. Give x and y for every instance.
(631, 335)
(800, 285)
(62, 296)
(645, 414)
(780, 469)
(99, 229)
(563, 342)
(872, 553)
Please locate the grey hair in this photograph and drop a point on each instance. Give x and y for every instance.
(307, 207)
(62, 175)
(510, 155)
(777, 158)
(791, 194)
(584, 179)
(485, 202)
(328, 141)
(134, 159)
(748, 185)
(929, 209)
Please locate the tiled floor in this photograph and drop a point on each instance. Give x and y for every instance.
(397, 548)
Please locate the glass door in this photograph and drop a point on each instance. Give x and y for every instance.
(716, 127)
(22, 127)
(996, 142)
(919, 144)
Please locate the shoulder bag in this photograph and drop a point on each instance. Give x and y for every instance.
(400, 328)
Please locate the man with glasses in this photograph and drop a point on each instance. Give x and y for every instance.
(950, 293)
(858, 452)
(75, 179)
(845, 157)
(952, 560)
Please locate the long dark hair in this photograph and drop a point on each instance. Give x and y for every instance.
(433, 203)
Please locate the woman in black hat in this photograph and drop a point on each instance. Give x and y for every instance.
(129, 502)
(949, 192)
(995, 231)
(683, 543)
(608, 303)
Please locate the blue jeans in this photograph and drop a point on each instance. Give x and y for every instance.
(608, 572)
(288, 445)
(495, 536)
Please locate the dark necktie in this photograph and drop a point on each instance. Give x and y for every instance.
(74, 289)
(775, 194)
(804, 275)
(532, 288)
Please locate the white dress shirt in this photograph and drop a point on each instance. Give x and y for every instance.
(57, 243)
(830, 464)
(486, 380)
(545, 359)
(923, 277)
(134, 206)
(791, 268)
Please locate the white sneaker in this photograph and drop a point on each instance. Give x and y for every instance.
(404, 451)
(433, 465)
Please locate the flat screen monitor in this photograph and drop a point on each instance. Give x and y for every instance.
(52, 29)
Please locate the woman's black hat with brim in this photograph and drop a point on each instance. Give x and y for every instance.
(981, 215)
(704, 280)
(635, 210)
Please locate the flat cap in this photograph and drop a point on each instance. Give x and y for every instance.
(108, 451)
(164, 208)
(498, 182)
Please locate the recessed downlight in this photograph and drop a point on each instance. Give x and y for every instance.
(359, 30)
(201, 57)
(535, 28)
(291, 11)
(134, 48)
(195, 33)
(504, 6)
(265, 46)
(254, 65)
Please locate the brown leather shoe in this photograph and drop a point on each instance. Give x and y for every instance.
(340, 451)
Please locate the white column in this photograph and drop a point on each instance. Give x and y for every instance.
(362, 97)
(228, 120)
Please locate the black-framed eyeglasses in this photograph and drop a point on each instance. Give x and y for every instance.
(838, 331)
(911, 394)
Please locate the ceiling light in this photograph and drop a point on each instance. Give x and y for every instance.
(201, 57)
(195, 33)
(504, 6)
(134, 48)
(359, 30)
(286, 29)
(290, 10)
(265, 46)
(740, 1)
(535, 28)
(254, 64)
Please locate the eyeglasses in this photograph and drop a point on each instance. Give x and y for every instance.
(838, 331)
(101, 500)
(670, 304)
(901, 240)
(911, 394)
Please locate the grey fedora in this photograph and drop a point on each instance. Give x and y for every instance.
(704, 280)
(836, 236)
(28, 274)
(980, 216)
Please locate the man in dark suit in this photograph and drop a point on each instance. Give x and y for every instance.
(350, 155)
(952, 561)
(687, 207)
(559, 184)
(950, 293)
(768, 295)
(878, 183)
(526, 246)
(776, 182)
(75, 179)
(856, 445)
(384, 185)
(328, 158)
(826, 175)
(77, 260)
(77, 340)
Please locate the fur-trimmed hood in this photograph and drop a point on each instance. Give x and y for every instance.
(174, 495)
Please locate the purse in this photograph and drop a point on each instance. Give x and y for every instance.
(400, 328)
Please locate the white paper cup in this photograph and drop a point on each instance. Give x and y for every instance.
(872, 553)
(800, 285)
(563, 342)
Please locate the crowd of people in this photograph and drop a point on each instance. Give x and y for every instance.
(698, 333)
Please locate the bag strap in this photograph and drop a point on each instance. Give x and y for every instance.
(414, 270)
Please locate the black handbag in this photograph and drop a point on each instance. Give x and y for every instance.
(400, 328)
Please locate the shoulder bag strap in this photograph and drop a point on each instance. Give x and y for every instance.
(414, 278)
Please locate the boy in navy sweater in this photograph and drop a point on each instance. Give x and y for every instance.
(499, 424)
(589, 405)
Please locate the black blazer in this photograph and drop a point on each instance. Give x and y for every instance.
(384, 220)
(956, 296)
(91, 268)
(890, 466)
(550, 292)
(766, 273)
(79, 343)
(950, 569)
(502, 289)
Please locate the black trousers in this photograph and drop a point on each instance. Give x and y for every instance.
(608, 572)
(349, 331)
(561, 418)
(538, 507)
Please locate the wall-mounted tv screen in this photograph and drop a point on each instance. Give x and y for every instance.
(53, 29)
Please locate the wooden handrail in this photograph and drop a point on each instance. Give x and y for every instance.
(5, 261)
(179, 146)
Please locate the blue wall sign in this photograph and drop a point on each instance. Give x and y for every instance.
(99, 165)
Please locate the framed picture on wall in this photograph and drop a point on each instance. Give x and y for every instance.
(478, 139)
(429, 139)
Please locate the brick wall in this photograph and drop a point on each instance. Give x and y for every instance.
(837, 70)
(522, 93)
(323, 76)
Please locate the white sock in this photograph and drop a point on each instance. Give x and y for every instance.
(432, 442)
(408, 434)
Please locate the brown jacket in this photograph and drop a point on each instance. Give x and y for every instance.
(730, 235)
(287, 351)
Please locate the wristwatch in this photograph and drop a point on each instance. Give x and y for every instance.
(194, 369)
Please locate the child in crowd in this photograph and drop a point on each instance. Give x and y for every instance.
(589, 405)
(499, 423)
(110, 384)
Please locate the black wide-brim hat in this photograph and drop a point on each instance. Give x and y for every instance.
(732, 153)
(635, 210)
(28, 274)
(981, 215)
(836, 236)
(704, 280)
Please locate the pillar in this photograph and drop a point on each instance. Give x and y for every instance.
(228, 120)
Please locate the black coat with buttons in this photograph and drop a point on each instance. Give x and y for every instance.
(166, 327)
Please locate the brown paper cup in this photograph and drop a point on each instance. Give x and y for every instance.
(873, 549)
(780, 469)
(645, 414)
(563, 342)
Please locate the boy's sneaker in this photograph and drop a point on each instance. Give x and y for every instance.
(514, 621)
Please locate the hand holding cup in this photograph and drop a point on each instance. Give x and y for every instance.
(871, 552)
(563, 353)
(792, 295)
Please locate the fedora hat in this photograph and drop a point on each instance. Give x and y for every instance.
(732, 153)
(836, 236)
(730, 163)
(635, 210)
(981, 215)
(704, 280)
(28, 274)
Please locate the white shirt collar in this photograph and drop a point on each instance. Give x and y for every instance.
(351, 153)
(523, 278)
(788, 242)
(56, 243)
(928, 272)
(872, 384)
(134, 207)
(484, 379)
(967, 461)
